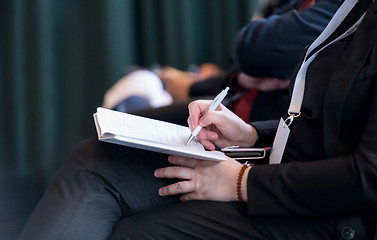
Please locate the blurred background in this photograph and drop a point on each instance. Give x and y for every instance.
(58, 58)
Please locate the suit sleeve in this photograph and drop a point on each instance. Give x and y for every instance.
(266, 132)
(279, 40)
(342, 185)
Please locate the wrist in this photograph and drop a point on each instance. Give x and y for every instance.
(250, 136)
(242, 182)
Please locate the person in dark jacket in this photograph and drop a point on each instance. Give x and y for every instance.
(324, 187)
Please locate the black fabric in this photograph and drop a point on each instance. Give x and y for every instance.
(109, 191)
(205, 220)
(357, 11)
(269, 105)
(334, 171)
(99, 184)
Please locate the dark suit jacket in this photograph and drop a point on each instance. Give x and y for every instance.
(329, 167)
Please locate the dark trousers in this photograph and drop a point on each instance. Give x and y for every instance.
(106, 191)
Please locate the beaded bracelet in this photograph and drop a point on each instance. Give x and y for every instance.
(239, 180)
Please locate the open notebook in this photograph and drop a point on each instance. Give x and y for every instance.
(149, 134)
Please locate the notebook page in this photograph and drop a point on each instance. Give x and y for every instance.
(147, 129)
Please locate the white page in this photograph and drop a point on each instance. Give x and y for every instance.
(150, 134)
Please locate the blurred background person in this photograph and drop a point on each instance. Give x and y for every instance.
(262, 60)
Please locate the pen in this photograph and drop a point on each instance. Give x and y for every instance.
(215, 103)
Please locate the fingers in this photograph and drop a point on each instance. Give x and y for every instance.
(174, 172)
(189, 196)
(196, 108)
(183, 171)
(211, 117)
(208, 144)
(186, 172)
(184, 161)
(177, 188)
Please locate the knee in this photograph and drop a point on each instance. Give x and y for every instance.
(86, 170)
(86, 162)
(87, 154)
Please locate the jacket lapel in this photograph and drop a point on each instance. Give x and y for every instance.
(351, 61)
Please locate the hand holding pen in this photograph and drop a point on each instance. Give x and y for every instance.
(215, 103)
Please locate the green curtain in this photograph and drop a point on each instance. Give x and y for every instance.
(58, 57)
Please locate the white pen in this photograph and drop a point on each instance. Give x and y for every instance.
(215, 103)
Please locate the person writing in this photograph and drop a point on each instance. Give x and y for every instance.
(323, 188)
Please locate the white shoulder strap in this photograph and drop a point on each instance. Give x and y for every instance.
(299, 87)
